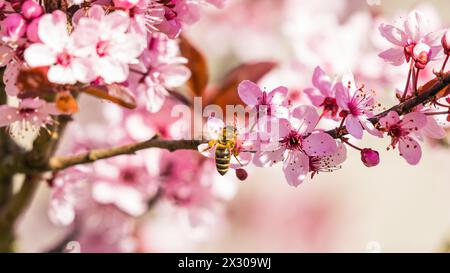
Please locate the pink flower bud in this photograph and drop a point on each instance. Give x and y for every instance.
(2, 3)
(15, 26)
(421, 55)
(31, 9)
(241, 174)
(32, 31)
(125, 4)
(446, 42)
(370, 157)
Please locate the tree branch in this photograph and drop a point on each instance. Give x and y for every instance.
(43, 148)
(59, 163)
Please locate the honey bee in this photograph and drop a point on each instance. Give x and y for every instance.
(226, 147)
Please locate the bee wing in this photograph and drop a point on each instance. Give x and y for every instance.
(215, 127)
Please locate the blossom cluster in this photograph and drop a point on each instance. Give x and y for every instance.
(126, 52)
(345, 108)
(100, 43)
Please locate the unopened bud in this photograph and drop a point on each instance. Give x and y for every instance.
(370, 157)
(241, 174)
(421, 55)
(31, 9)
(15, 26)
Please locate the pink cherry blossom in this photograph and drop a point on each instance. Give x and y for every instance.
(70, 193)
(322, 95)
(297, 142)
(403, 132)
(194, 186)
(357, 106)
(58, 50)
(146, 14)
(107, 42)
(30, 115)
(413, 31)
(180, 12)
(105, 229)
(161, 69)
(124, 182)
(273, 103)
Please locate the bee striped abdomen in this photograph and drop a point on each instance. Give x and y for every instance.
(223, 158)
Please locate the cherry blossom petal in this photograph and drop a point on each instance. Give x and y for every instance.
(342, 96)
(207, 151)
(393, 34)
(268, 158)
(61, 75)
(319, 144)
(307, 119)
(6, 54)
(127, 50)
(433, 130)
(39, 55)
(390, 119)
(348, 81)
(10, 77)
(215, 127)
(119, 21)
(156, 96)
(413, 121)
(394, 56)
(295, 168)
(83, 70)
(415, 25)
(354, 126)
(314, 96)
(111, 70)
(278, 95)
(410, 150)
(321, 81)
(249, 92)
(8, 115)
(174, 75)
(370, 128)
(244, 159)
(52, 30)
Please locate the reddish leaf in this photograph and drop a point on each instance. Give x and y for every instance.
(115, 93)
(33, 82)
(226, 92)
(198, 66)
(442, 93)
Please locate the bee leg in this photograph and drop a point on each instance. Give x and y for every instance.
(237, 159)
